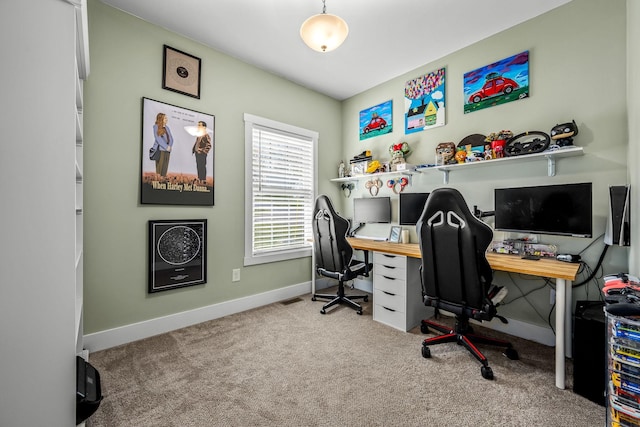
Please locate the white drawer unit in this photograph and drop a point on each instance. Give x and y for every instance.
(397, 294)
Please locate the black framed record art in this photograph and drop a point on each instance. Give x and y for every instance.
(178, 149)
(177, 254)
(181, 72)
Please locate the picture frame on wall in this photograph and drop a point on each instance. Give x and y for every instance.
(376, 120)
(181, 72)
(178, 153)
(503, 81)
(424, 100)
(177, 254)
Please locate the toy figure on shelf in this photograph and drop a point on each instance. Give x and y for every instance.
(445, 153)
(497, 140)
(461, 155)
(488, 153)
(341, 170)
(398, 154)
(563, 134)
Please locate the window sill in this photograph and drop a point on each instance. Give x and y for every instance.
(277, 256)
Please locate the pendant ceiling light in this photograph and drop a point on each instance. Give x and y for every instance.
(324, 32)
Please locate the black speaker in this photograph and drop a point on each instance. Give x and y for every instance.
(618, 230)
(589, 349)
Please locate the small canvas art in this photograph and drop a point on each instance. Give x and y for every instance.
(424, 102)
(376, 120)
(503, 81)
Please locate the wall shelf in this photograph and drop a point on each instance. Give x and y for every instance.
(380, 175)
(550, 156)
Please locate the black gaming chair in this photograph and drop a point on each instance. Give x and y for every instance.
(456, 276)
(333, 254)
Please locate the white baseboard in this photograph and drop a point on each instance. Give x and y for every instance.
(528, 331)
(521, 329)
(136, 331)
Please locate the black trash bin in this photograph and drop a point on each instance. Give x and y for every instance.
(88, 390)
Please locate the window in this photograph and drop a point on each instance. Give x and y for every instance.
(280, 187)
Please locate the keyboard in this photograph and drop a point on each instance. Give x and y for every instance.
(376, 239)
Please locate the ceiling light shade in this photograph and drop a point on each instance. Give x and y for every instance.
(324, 32)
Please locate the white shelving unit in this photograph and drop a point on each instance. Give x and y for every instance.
(82, 71)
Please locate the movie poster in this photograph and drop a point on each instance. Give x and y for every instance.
(177, 155)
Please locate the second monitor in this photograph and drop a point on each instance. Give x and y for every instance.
(372, 210)
(410, 207)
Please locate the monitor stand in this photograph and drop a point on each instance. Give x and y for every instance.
(352, 231)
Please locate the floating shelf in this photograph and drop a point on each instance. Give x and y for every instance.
(369, 176)
(550, 156)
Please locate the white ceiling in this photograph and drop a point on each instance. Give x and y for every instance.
(386, 38)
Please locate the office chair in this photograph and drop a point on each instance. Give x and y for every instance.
(333, 254)
(456, 276)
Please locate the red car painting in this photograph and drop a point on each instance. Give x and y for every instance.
(375, 123)
(494, 87)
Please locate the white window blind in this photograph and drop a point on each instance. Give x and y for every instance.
(282, 190)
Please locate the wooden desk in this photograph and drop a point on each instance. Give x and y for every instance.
(562, 272)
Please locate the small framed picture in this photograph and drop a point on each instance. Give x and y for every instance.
(394, 235)
(181, 72)
(177, 254)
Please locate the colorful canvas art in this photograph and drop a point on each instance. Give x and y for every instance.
(377, 120)
(498, 83)
(425, 102)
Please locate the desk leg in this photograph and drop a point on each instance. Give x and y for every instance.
(563, 300)
(313, 273)
(568, 321)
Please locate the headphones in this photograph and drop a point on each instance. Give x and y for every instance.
(373, 186)
(393, 184)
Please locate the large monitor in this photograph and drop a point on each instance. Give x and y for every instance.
(372, 210)
(564, 209)
(410, 207)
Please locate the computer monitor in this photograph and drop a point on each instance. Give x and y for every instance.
(372, 210)
(564, 209)
(410, 207)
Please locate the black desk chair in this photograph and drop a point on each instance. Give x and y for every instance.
(456, 276)
(333, 254)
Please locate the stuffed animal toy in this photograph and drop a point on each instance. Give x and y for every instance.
(398, 153)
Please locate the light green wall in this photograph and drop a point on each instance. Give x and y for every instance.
(577, 71)
(126, 65)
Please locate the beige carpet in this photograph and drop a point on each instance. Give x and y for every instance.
(288, 365)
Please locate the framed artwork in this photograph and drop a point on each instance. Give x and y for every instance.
(424, 102)
(503, 81)
(177, 254)
(394, 234)
(181, 72)
(177, 155)
(376, 120)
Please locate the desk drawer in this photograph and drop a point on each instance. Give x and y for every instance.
(390, 271)
(398, 261)
(395, 319)
(389, 284)
(389, 300)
